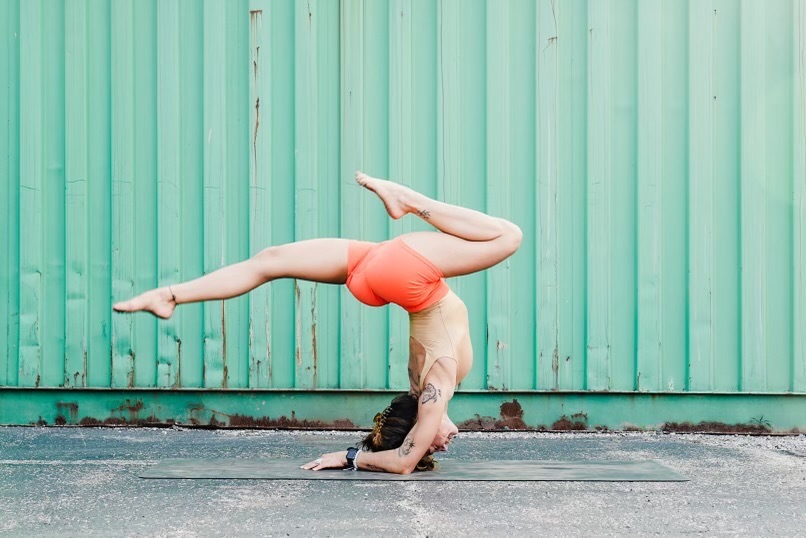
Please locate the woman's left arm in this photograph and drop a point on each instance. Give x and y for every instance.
(403, 460)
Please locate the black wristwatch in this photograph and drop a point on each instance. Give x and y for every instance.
(352, 452)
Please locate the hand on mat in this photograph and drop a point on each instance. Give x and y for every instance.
(334, 460)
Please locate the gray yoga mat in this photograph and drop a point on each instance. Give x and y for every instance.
(497, 470)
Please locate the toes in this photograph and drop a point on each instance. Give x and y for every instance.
(132, 305)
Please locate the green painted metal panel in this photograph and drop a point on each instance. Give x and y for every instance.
(10, 185)
(654, 153)
(798, 365)
(461, 171)
(99, 195)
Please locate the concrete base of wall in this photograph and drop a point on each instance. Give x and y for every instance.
(342, 409)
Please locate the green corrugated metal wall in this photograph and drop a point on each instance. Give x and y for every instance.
(654, 153)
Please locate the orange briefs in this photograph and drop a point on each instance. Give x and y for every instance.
(393, 272)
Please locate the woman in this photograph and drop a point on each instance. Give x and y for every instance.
(409, 271)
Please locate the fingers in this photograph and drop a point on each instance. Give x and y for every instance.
(311, 466)
(334, 460)
(315, 465)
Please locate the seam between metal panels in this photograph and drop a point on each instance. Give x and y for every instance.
(14, 335)
(586, 212)
(711, 209)
(110, 201)
(42, 199)
(739, 238)
(339, 168)
(87, 243)
(637, 216)
(687, 215)
(156, 187)
(797, 39)
(65, 255)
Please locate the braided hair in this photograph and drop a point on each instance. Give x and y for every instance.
(392, 425)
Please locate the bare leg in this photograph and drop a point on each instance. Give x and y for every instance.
(451, 219)
(319, 260)
(472, 241)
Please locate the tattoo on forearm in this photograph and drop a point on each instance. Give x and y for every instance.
(373, 467)
(406, 447)
(430, 394)
(425, 214)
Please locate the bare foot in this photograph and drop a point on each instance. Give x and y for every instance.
(157, 301)
(395, 197)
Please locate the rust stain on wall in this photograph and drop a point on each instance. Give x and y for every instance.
(555, 368)
(313, 331)
(577, 421)
(130, 375)
(512, 416)
(219, 419)
(70, 408)
(297, 305)
(178, 381)
(283, 422)
(133, 408)
(511, 419)
(715, 427)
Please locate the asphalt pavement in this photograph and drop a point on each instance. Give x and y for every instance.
(83, 482)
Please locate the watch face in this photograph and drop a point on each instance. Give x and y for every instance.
(351, 452)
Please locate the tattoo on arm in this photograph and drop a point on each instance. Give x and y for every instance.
(430, 394)
(406, 447)
(373, 467)
(425, 214)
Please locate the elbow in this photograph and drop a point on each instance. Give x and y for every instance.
(406, 468)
